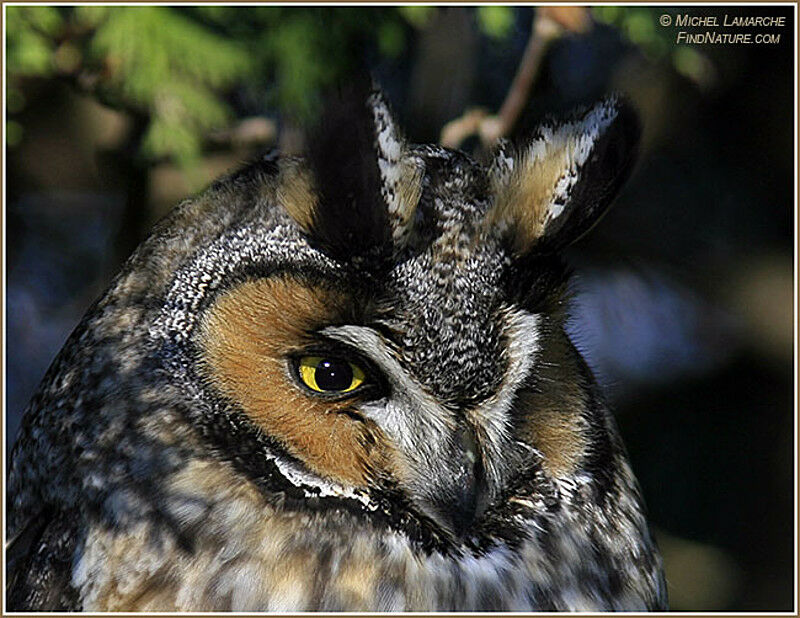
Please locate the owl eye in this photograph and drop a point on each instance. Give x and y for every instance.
(329, 374)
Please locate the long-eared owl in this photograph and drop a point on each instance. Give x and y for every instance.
(342, 382)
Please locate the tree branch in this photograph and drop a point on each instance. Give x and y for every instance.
(549, 24)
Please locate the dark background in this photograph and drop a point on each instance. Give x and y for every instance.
(683, 293)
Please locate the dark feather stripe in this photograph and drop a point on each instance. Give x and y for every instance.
(351, 220)
(538, 283)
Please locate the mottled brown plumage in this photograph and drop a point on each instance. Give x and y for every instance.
(342, 382)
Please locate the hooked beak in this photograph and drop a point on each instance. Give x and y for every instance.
(456, 493)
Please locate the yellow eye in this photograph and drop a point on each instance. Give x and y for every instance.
(329, 374)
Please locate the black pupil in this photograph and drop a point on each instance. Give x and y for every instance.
(333, 374)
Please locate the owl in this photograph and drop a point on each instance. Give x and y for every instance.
(341, 382)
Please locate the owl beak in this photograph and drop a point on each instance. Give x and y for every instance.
(460, 495)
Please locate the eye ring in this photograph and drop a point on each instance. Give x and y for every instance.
(329, 374)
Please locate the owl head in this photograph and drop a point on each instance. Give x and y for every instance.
(376, 327)
(380, 323)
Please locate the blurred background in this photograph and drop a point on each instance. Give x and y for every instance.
(683, 293)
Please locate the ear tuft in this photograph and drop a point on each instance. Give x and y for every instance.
(401, 173)
(349, 218)
(553, 189)
(356, 196)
